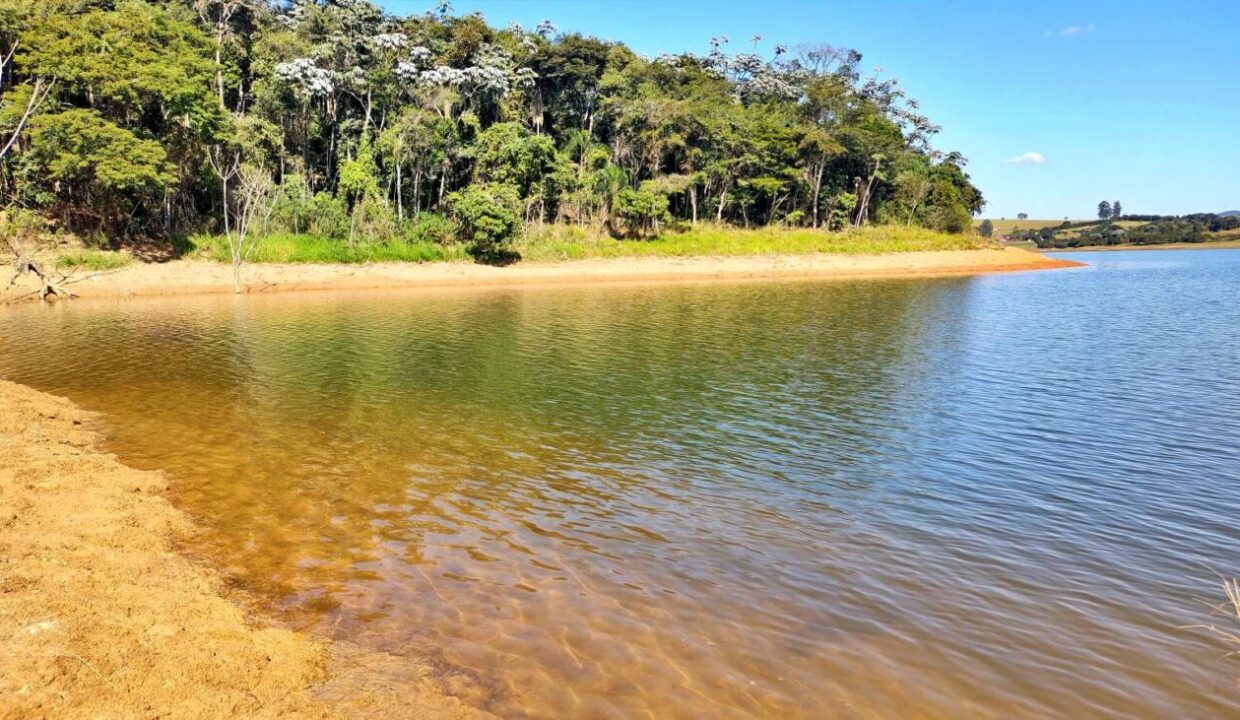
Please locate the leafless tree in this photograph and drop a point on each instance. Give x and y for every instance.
(38, 94)
(218, 15)
(249, 199)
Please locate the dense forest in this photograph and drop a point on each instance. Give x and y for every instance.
(148, 120)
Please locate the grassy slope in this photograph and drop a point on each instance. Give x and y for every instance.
(289, 248)
(1073, 232)
(706, 240)
(92, 260)
(572, 243)
(1005, 227)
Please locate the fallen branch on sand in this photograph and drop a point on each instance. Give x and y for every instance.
(24, 263)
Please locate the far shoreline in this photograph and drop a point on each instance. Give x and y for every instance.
(1214, 245)
(196, 277)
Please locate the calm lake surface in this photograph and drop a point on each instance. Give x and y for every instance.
(988, 497)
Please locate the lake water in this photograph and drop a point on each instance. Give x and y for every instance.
(990, 497)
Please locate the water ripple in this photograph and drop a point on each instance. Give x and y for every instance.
(993, 497)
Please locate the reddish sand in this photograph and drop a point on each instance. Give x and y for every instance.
(187, 277)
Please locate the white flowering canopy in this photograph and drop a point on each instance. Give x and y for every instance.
(494, 73)
(389, 41)
(310, 79)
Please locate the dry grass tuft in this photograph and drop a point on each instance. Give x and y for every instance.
(1229, 609)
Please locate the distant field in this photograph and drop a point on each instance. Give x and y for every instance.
(1126, 224)
(1006, 227)
(1217, 241)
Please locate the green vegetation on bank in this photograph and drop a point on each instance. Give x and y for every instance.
(335, 131)
(293, 248)
(93, 260)
(559, 243)
(1125, 230)
(571, 244)
(1004, 228)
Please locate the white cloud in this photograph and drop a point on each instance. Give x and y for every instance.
(1069, 31)
(1029, 158)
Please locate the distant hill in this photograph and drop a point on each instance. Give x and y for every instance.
(1230, 213)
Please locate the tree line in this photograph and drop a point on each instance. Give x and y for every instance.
(1150, 230)
(153, 119)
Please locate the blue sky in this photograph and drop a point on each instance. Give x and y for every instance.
(1137, 101)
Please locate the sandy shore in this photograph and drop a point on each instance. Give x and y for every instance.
(100, 617)
(191, 277)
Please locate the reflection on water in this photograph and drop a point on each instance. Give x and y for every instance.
(988, 497)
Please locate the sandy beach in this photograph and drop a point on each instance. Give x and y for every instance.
(101, 617)
(197, 276)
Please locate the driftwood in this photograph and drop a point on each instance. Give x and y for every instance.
(50, 288)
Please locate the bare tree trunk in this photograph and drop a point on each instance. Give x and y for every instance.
(723, 198)
(865, 205)
(400, 206)
(224, 183)
(37, 96)
(775, 208)
(417, 192)
(817, 190)
(863, 202)
(219, 61)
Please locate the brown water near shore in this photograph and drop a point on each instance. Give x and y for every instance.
(102, 617)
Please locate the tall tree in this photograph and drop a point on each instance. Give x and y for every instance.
(1104, 210)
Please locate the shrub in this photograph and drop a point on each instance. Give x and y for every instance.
(373, 221)
(23, 224)
(429, 227)
(328, 216)
(292, 207)
(488, 214)
(95, 260)
(951, 219)
(641, 209)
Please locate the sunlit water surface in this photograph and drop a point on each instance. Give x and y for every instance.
(981, 497)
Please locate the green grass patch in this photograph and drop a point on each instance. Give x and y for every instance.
(1007, 227)
(290, 248)
(93, 260)
(572, 243)
(566, 242)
